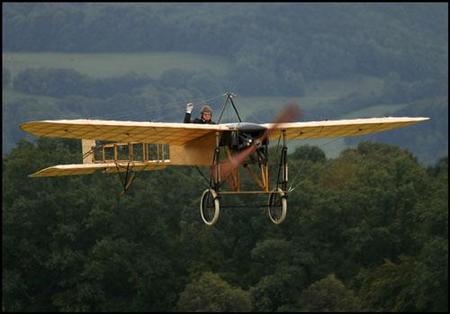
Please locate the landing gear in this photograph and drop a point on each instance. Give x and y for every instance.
(210, 201)
(209, 207)
(245, 144)
(277, 206)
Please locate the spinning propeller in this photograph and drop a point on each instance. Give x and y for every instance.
(290, 113)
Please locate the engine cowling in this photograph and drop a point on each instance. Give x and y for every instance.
(243, 135)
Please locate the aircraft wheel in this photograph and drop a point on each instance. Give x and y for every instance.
(209, 207)
(277, 206)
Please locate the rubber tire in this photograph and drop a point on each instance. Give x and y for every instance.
(280, 192)
(216, 207)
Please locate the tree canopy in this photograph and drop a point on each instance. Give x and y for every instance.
(365, 231)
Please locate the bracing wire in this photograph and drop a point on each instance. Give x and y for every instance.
(201, 173)
(182, 104)
(122, 113)
(296, 182)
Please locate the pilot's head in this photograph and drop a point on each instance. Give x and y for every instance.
(206, 113)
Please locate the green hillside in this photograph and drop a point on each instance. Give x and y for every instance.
(100, 65)
(142, 61)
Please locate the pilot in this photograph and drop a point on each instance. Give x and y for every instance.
(205, 118)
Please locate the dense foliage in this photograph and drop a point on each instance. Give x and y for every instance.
(365, 231)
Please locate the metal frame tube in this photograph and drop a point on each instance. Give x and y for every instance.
(284, 161)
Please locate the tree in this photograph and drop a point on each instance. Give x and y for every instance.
(279, 289)
(307, 152)
(51, 82)
(389, 287)
(329, 295)
(70, 244)
(209, 293)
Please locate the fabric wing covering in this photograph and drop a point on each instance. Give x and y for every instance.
(79, 169)
(340, 128)
(121, 131)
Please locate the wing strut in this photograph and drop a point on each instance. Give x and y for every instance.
(128, 180)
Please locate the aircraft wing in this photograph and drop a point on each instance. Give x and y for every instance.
(111, 167)
(339, 128)
(122, 131)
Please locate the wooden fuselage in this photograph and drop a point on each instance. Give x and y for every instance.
(201, 151)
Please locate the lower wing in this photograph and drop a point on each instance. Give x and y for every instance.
(112, 167)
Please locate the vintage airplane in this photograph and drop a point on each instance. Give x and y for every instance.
(141, 146)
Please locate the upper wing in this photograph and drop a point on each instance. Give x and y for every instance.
(121, 131)
(339, 128)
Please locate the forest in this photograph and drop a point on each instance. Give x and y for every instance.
(366, 230)
(290, 39)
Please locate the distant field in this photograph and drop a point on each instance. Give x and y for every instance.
(11, 95)
(116, 64)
